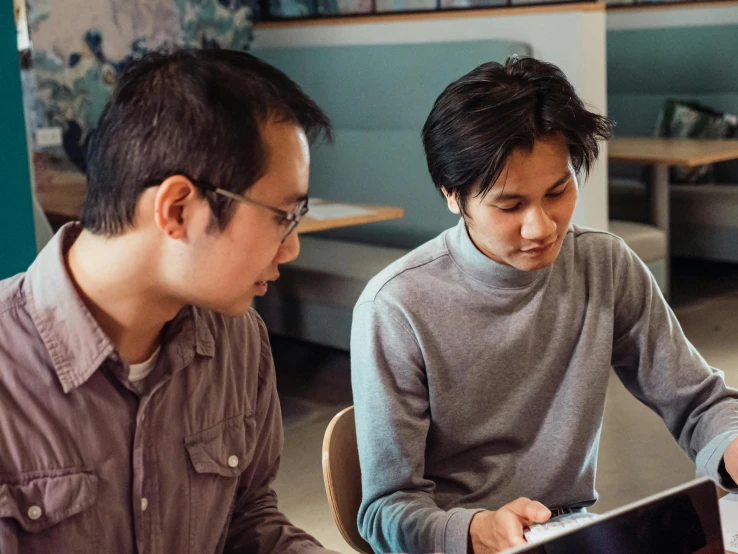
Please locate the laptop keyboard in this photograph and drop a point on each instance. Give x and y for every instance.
(543, 531)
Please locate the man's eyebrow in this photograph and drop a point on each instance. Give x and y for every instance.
(295, 198)
(504, 196)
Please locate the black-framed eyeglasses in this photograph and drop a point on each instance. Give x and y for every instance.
(292, 218)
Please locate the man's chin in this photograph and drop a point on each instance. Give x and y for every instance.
(235, 309)
(242, 306)
(525, 262)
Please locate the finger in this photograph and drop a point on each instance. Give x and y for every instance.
(510, 528)
(530, 511)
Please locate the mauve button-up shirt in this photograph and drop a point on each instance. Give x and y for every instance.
(88, 465)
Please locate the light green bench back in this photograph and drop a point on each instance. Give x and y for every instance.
(645, 67)
(378, 98)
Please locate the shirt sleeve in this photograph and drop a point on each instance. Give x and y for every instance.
(659, 366)
(398, 512)
(257, 526)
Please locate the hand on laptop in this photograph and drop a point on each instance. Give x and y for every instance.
(492, 532)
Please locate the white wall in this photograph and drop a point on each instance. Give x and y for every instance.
(572, 37)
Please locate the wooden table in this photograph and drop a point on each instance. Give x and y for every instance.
(374, 214)
(61, 195)
(664, 151)
(661, 154)
(63, 200)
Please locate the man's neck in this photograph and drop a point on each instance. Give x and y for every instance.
(119, 286)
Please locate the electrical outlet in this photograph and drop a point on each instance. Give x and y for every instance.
(48, 136)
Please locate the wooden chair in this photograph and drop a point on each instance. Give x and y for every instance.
(342, 476)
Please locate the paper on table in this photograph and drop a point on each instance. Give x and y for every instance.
(336, 211)
(729, 519)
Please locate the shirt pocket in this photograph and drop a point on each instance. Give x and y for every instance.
(44, 512)
(218, 456)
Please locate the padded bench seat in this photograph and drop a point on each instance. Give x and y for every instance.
(648, 242)
(314, 298)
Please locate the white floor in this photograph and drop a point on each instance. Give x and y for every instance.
(637, 455)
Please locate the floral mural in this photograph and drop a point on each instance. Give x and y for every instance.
(80, 46)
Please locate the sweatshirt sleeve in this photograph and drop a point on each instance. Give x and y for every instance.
(398, 512)
(660, 367)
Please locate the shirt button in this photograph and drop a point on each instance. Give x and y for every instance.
(233, 461)
(34, 512)
(144, 504)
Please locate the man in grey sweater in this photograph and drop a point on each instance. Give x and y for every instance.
(481, 359)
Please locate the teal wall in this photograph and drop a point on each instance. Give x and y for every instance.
(647, 66)
(378, 97)
(17, 239)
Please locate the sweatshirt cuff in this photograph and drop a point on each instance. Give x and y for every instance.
(456, 534)
(710, 460)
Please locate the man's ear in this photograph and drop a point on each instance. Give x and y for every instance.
(175, 203)
(452, 201)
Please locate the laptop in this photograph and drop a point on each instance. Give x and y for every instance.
(682, 520)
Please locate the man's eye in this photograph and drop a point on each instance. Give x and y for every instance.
(510, 209)
(558, 192)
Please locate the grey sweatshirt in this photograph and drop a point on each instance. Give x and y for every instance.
(476, 383)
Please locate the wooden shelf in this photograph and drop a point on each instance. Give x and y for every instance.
(670, 5)
(385, 17)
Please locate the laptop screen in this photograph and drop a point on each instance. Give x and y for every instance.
(683, 522)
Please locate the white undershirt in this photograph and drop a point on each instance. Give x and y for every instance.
(139, 372)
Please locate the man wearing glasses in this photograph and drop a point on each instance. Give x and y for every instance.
(138, 407)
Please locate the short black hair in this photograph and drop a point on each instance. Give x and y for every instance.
(479, 120)
(197, 113)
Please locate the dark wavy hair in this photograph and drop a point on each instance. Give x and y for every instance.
(479, 120)
(197, 113)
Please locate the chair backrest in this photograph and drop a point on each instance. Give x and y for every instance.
(342, 476)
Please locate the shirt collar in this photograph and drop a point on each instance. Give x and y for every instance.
(484, 269)
(77, 345)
